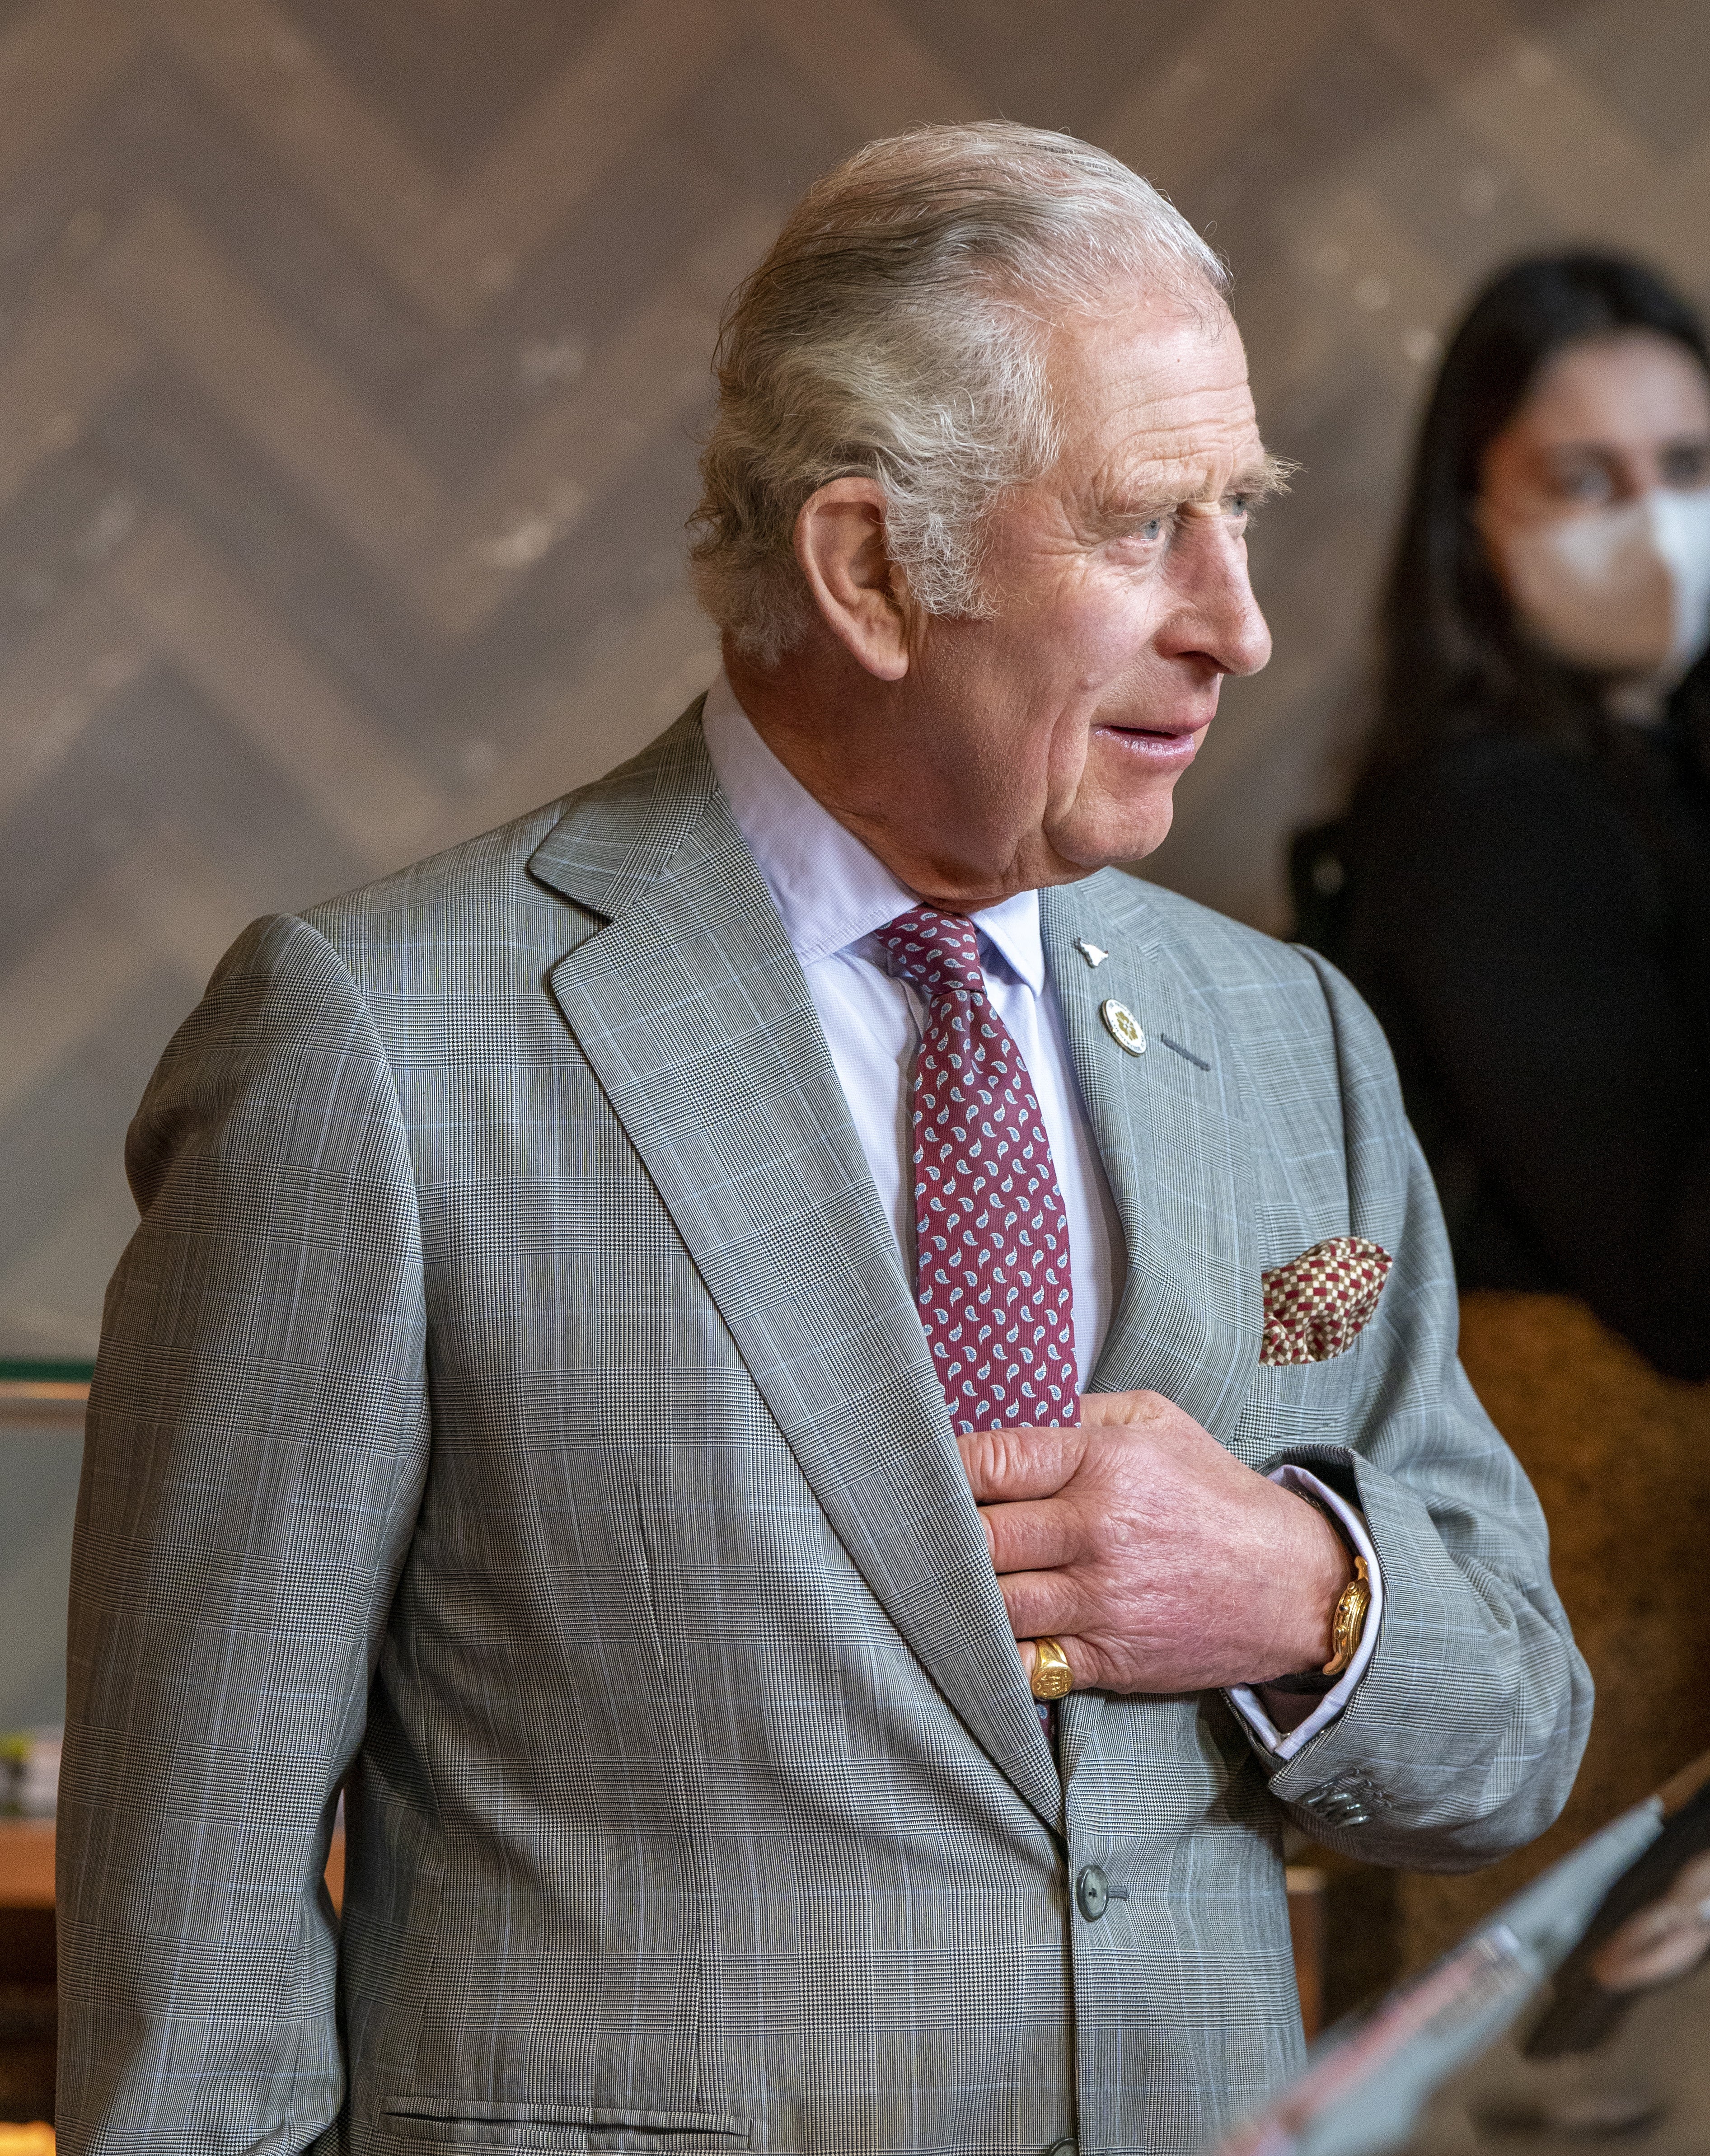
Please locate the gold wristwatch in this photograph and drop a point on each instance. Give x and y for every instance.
(1349, 1621)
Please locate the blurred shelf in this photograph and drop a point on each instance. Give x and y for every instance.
(38, 1393)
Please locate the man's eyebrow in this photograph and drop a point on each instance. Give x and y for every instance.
(1269, 475)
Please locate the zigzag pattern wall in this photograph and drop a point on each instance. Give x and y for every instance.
(351, 360)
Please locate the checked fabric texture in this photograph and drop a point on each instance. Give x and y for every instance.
(1317, 1305)
(587, 1466)
(991, 1236)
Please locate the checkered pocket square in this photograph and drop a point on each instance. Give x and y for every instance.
(1318, 1304)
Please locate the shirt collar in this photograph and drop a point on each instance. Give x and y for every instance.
(829, 890)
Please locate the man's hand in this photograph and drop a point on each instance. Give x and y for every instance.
(1158, 1561)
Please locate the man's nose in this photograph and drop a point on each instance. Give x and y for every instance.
(1221, 618)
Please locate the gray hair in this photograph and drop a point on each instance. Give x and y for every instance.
(897, 330)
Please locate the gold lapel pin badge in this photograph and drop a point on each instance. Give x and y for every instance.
(1123, 1026)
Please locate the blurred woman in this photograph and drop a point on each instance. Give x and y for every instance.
(1521, 890)
(1527, 863)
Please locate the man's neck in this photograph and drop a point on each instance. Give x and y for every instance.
(845, 742)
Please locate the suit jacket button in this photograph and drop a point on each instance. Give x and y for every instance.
(1092, 1893)
(1064, 2148)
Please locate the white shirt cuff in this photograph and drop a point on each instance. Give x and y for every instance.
(1243, 1698)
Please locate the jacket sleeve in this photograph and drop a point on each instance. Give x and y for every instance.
(256, 1447)
(1462, 1740)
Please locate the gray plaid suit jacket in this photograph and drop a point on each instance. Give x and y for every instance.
(512, 1407)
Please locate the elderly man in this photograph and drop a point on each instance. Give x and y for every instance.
(657, 1339)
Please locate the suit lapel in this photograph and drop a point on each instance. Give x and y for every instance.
(1187, 1323)
(692, 1011)
(1175, 1150)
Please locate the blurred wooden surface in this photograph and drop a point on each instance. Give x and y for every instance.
(26, 1864)
(28, 1999)
(1619, 1458)
(1306, 1925)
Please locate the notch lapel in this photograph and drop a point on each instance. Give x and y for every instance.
(693, 1013)
(1175, 1150)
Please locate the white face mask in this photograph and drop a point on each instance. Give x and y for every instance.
(1624, 590)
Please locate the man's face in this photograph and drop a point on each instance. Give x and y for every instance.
(1046, 741)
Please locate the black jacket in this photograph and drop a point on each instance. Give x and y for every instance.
(1531, 924)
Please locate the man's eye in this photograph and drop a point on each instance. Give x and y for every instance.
(1152, 530)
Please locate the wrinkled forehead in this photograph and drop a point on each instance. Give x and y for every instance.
(1155, 388)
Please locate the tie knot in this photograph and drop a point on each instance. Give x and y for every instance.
(938, 952)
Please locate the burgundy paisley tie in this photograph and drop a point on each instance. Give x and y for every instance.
(992, 1272)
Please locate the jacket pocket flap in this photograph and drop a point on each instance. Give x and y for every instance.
(463, 2123)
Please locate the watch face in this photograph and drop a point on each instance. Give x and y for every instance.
(1349, 1621)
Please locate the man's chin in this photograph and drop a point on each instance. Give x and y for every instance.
(1123, 832)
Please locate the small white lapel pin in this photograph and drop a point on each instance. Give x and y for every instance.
(1091, 951)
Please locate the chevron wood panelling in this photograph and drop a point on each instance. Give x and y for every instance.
(351, 363)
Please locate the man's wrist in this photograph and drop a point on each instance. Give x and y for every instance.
(1325, 1578)
(1285, 1712)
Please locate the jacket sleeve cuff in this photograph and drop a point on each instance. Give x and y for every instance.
(1243, 1697)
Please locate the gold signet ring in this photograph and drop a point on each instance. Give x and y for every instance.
(1051, 1674)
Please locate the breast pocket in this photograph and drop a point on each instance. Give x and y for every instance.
(1299, 1404)
(435, 2126)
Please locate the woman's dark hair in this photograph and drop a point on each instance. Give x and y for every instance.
(1450, 656)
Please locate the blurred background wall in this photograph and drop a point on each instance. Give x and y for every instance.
(352, 358)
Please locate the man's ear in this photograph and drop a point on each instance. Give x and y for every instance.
(839, 543)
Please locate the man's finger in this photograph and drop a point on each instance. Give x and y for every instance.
(1034, 1535)
(1075, 1653)
(1006, 1465)
(1109, 1411)
(1042, 1605)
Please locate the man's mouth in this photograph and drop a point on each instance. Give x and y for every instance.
(1157, 747)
